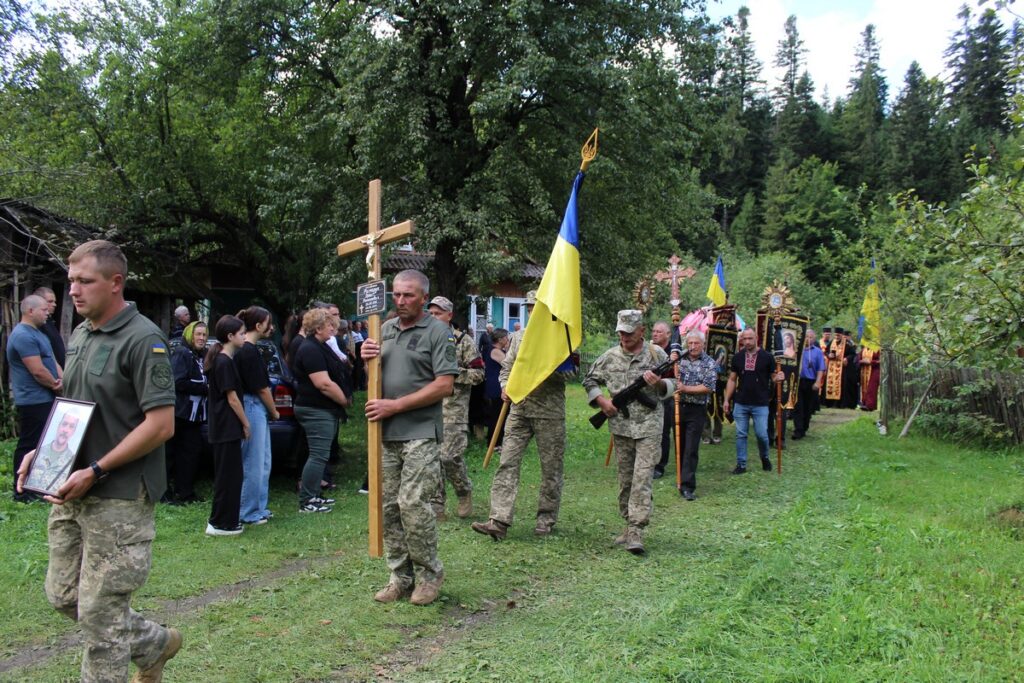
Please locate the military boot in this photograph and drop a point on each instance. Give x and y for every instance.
(634, 541)
(154, 673)
(492, 528)
(621, 538)
(392, 592)
(427, 591)
(465, 506)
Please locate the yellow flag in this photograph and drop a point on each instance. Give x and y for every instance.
(555, 327)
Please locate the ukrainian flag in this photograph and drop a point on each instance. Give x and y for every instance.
(716, 289)
(556, 326)
(870, 322)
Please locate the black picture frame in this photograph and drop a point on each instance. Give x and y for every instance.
(59, 445)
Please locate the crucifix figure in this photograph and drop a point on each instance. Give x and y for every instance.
(372, 242)
(674, 274)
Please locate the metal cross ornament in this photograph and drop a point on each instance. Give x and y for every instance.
(674, 275)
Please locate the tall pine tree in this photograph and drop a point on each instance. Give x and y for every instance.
(919, 150)
(790, 58)
(860, 124)
(979, 59)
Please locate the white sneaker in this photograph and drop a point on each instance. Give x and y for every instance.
(321, 501)
(211, 530)
(313, 507)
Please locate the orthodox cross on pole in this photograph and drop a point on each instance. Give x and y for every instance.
(372, 242)
(674, 274)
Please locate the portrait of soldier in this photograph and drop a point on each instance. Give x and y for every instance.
(55, 457)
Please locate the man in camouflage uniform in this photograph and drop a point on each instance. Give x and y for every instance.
(637, 437)
(540, 415)
(102, 525)
(418, 370)
(456, 413)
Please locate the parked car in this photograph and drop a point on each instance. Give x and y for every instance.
(287, 442)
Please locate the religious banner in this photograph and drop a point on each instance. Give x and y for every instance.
(784, 339)
(781, 333)
(721, 345)
(724, 316)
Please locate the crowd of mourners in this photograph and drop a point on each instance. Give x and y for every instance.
(149, 390)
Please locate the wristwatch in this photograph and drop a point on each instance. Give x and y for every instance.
(100, 473)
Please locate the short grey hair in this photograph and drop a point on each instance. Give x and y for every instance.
(32, 301)
(668, 328)
(412, 275)
(180, 311)
(695, 334)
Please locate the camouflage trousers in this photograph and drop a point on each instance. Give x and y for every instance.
(411, 472)
(453, 465)
(550, 435)
(636, 460)
(100, 553)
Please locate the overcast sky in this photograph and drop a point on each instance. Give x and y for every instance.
(907, 30)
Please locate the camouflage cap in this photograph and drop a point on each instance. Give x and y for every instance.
(629, 320)
(531, 297)
(442, 303)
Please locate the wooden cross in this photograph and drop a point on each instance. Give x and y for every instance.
(674, 274)
(372, 243)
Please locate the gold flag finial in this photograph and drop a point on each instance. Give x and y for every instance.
(589, 150)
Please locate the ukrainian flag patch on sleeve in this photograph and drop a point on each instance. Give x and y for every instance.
(159, 347)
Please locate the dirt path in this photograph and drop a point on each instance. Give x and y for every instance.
(164, 613)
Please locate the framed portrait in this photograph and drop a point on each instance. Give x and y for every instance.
(58, 447)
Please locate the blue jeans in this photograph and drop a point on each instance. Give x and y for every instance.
(255, 462)
(742, 413)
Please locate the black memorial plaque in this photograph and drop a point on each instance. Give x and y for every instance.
(371, 298)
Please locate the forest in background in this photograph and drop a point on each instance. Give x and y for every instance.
(244, 131)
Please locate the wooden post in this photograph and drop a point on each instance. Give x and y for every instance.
(498, 426)
(374, 388)
(778, 418)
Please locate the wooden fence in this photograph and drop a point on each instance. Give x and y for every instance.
(1002, 398)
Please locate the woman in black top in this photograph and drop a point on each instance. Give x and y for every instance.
(259, 407)
(322, 393)
(228, 426)
(185, 447)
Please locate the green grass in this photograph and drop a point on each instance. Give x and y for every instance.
(870, 559)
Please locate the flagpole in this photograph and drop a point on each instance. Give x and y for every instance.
(498, 426)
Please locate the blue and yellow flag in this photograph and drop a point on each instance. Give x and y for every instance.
(870, 322)
(555, 327)
(716, 289)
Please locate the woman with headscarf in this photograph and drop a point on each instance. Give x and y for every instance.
(190, 387)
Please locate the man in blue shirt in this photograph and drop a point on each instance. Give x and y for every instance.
(812, 374)
(35, 379)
